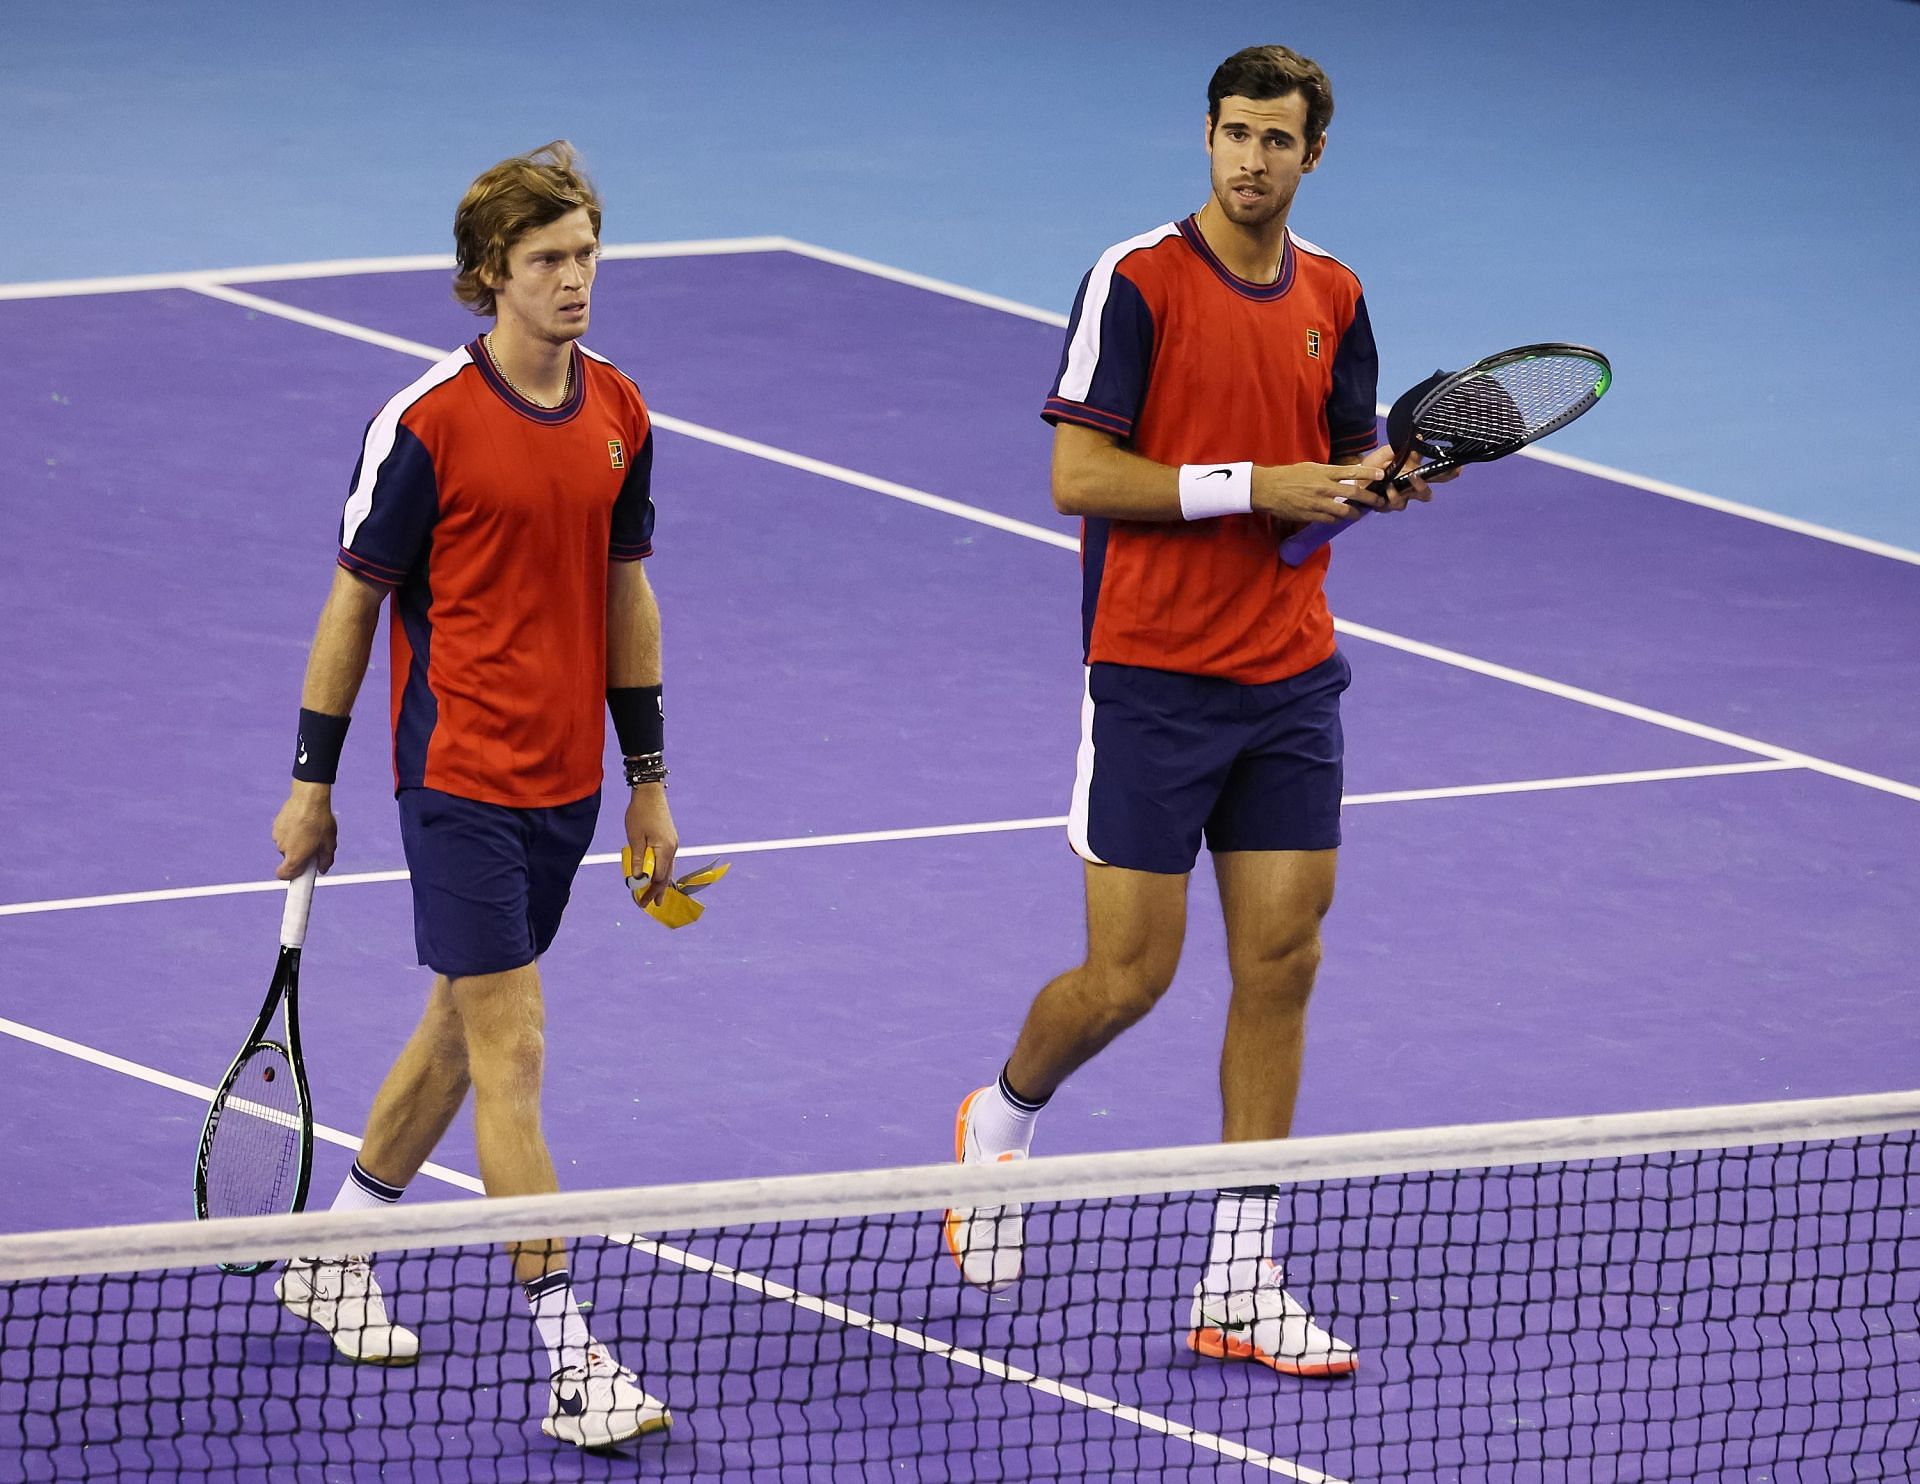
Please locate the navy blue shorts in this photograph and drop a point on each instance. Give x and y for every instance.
(489, 883)
(1166, 758)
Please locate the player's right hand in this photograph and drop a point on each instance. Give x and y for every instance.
(1315, 494)
(305, 830)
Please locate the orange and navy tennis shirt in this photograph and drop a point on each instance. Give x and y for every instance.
(1186, 363)
(492, 521)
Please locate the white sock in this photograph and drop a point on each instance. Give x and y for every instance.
(362, 1192)
(556, 1314)
(1243, 1227)
(1002, 1120)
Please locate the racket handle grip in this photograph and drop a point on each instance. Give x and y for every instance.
(1304, 542)
(293, 920)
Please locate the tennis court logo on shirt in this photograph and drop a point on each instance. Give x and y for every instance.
(617, 452)
(1313, 344)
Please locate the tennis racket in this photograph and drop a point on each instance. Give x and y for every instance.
(1493, 408)
(257, 1146)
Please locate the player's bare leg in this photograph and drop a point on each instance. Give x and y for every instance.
(1273, 902)
(594, 1400)
(421, 1094)
(417, 1100)
(504, 1017)
(1136, 927)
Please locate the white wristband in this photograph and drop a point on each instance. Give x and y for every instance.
(1208, 490)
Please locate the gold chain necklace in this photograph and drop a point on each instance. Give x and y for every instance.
(566, 389)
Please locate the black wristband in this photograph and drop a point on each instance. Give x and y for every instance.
(639, 719)
(316, 752)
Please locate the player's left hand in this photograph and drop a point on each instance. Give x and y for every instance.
(1394, 496)
(650, 827)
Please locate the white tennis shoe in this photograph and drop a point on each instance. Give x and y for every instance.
(341, 1296)
(1269, 1326)
(600, 1404)
(987, 1242)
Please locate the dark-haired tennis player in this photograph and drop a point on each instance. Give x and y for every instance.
(1216, 392)
(503, 501)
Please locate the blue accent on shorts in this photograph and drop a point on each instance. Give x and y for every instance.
(489, 883)
(1252, 767)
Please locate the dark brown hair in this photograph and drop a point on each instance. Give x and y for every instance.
(1262, 72)
(515, 197)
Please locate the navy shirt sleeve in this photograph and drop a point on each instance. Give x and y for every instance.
(1356, 380)
(633, 509)
(389, 518)
(1104, 366)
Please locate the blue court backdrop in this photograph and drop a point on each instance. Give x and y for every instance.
(1718, 193)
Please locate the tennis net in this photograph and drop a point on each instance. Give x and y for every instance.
(1724, 1293)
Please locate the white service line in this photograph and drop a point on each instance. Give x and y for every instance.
(751, 1282)
(1625, 708)
(363, 878)
(1583, 780)
(918, 832)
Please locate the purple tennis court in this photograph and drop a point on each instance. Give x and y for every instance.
(1632, 791)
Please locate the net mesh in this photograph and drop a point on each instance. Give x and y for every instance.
(1733, 1312)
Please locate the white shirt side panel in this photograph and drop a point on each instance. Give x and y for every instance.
(1083, 351)
(384, 431)
(1078, 812)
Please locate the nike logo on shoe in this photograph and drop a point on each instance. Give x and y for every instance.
(573, 1403)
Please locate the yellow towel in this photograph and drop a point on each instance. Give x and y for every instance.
(677, 908)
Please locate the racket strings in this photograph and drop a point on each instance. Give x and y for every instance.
(1510, 402)
(253, 1162)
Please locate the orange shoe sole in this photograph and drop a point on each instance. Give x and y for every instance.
(960, 1157)
(1222, 1346)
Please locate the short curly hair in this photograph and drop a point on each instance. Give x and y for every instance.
(515, 197)
(1262, 72)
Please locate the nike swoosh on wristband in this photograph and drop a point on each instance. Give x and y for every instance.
(1211, 472)
(303, 749)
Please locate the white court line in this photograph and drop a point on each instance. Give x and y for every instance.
(974, 1360)
(1630, 709)
(1584, 466)
(1062, 540)
(919, 832)
(700, 431)
(348, 267)
(1584, 780)
(718, 246)
(687, 852)
(752, 1283)
(106, 1060)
